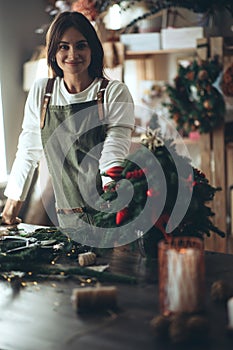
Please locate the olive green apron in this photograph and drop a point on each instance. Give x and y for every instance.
(72, 138)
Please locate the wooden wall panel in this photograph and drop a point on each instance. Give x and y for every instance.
(213, 164)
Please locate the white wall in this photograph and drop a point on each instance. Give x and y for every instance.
(18, 21)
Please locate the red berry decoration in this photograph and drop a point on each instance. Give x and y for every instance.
(121, 215)
(136, 174)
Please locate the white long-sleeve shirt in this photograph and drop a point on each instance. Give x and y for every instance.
(118, 106)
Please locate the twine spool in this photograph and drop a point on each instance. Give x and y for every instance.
(91, 299)
(88, 258)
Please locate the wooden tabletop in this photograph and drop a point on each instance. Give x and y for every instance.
(41, 315)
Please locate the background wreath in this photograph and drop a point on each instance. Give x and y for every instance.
(195, 103)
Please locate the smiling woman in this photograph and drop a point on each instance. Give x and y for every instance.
(66, 120)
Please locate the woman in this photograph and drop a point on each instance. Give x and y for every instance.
(65, 118)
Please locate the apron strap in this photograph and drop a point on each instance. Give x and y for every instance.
(100, 98)
(47, 96)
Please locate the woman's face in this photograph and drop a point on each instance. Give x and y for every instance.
(73, 53)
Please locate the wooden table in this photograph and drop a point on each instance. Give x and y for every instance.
(41, 315)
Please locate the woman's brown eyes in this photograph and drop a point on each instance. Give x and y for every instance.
(80, 46)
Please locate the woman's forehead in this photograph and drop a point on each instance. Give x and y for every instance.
(72, 33)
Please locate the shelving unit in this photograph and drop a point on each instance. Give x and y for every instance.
(162, 65)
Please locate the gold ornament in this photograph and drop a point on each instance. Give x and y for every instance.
(207, 104)
(203, 74)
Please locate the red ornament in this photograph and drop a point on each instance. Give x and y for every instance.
(114, 172)
(122, 215)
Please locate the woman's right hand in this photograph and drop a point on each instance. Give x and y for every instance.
(10, 212)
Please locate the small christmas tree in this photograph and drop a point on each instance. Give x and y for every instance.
(168, 197)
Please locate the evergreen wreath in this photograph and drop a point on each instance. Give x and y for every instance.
(195, 104)
(197, 219)
(36, 261)
(63, 247)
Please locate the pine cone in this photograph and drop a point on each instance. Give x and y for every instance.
(160, 326)
(221, 291)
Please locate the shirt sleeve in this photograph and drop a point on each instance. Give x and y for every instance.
(119, 108)
(29, 149)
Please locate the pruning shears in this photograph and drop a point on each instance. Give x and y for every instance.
(28, 242)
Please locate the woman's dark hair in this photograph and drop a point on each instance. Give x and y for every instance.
(60, 24)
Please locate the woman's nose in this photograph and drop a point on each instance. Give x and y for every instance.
(73, 53)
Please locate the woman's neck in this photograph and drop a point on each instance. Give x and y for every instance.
(76, 84)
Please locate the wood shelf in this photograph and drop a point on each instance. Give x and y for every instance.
(140, 54)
